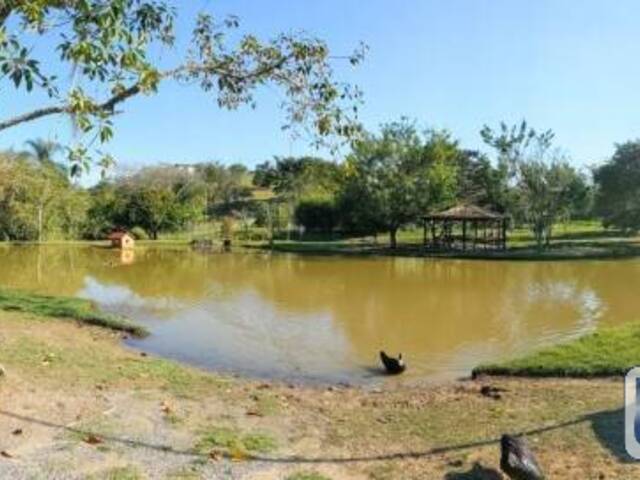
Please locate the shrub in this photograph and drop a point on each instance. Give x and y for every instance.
(139, 233)
(317, 215)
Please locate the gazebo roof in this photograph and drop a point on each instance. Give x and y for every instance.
(465, 212)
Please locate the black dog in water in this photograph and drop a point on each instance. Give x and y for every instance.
(392, 365)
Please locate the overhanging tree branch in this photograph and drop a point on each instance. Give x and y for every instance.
(106, 106)
(109, 105)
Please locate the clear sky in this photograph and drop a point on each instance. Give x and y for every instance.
(571, 66)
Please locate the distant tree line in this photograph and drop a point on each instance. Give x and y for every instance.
(386, 182)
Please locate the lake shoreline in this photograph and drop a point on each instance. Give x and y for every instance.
(560, 251)
(96, 393)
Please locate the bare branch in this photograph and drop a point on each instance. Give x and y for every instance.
(34, 115)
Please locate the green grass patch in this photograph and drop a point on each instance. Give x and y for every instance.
(80, 362)
(234, 441)
(609, 351)
(78, 309)
(307, 476)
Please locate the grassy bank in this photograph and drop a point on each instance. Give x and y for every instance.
(82, 406)
(606, 352)
(571, 241)
(77, 309)
(594, 250)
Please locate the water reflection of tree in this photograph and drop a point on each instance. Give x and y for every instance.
(44, 269)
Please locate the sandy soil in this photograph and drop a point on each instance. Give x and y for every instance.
(75, 404)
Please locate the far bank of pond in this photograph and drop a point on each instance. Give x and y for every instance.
(596, 250)
(320, 318)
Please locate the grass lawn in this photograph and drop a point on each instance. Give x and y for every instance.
(65, 307)
(606, 352)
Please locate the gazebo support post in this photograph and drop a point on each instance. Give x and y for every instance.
(475, 234)
(484, 234)
(464, 235)
(424, 233)
(434, 242)
(504, 234)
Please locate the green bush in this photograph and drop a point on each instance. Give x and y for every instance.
(139, 233)
(317, 215)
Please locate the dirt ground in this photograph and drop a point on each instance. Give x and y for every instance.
(75, 404)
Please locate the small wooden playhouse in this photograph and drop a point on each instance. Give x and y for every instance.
(122, 240)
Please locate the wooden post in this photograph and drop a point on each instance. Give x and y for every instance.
(475, 234)
(433, 233)
(484, 234)
(504, 234)
(464, 235)
(424, 232)
(270, 223)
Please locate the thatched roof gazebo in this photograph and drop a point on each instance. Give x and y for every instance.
(463, 227)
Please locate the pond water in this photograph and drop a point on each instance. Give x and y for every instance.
(325, 318)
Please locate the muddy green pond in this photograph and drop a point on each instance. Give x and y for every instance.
(312, 318)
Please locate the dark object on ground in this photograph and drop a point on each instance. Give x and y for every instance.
(392, 365)
(517, 460)
(226, 245)
(17, 431)
(490, 391)
(92, 439)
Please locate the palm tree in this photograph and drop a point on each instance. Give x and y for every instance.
(42, 151)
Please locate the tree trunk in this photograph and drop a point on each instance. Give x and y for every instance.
(539, 236)
(270, 222)
(547, 241)
(393, 238)
(40, 215)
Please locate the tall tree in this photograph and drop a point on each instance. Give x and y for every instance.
(544, 191)
(539, 182)
(162, 199)
(515, 143)
(109, 45)
(394, 177)
(618, 188)
(36, 199)
(295, 177)
(481, 183)
(225, 186)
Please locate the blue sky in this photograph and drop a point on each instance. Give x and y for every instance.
(571, 66)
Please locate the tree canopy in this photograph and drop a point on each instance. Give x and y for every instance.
(109, 45)
(396, 176)
(539, 185)
(618, 188)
